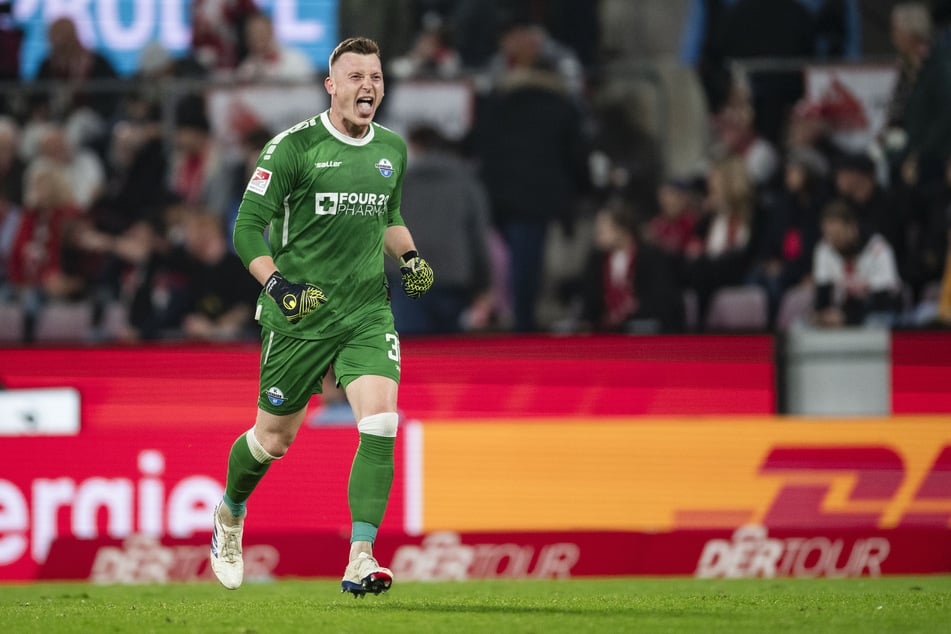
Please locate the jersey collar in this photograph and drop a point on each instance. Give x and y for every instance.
(340, 136)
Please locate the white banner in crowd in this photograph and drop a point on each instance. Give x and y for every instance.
(445, 105)
(854, 98)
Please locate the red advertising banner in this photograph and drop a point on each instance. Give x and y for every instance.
(804, 480)
(442, 378)
(921, 372)
(163, 484)
(749, 551)
(663, 446)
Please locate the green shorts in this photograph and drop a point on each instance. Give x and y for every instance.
(293, 369)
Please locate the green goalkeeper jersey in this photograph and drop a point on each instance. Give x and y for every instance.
(326, 200)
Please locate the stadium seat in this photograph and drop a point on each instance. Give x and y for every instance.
(738, 308)
(11, 322)
(691, 310)
(115, 318)
(64, 321)
(795, 306)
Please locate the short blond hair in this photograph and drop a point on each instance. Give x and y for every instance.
(358, 45)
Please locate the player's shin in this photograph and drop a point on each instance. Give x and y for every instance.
(247, 464)
(371, 475)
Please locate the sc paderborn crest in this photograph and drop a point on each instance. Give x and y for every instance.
(385, 167)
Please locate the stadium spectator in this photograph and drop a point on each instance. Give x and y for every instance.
(628, 285)
(12, 167)
(526, 46)
(474, 25)
(678, 201)
(157, 69)
(929, 212)
(625, 158)
(735, 135)
(720, 253)
(155, 289)
(218, 35)
(432, 55)
(199, 174)
(911, 33)
(449, 207)
(83, 167)
(810, 130)
(877, 209)
(855, 272)
(136, 187)
(43, 263)
(269, 60)
(927, 110)
(783, 257)
(71, 65)
(11, 195)
(533, 159)
(221, 295)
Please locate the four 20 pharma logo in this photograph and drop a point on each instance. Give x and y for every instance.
(350, 204)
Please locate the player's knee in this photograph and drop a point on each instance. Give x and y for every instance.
(384, 424)
(266, 447)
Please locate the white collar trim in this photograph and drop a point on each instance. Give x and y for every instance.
(340, 136)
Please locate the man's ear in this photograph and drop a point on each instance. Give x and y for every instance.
(329, 85)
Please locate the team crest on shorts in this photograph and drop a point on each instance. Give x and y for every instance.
(275, 396)
(385, 167)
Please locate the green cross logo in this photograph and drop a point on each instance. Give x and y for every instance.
(326, 204)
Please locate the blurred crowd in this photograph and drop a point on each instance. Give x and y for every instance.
(112, 202)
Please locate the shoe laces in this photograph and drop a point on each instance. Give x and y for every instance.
(231, 544)
(230, 539)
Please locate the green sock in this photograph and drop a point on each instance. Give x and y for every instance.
(244, 473)
(370, 479)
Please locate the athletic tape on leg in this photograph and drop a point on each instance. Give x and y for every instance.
(257, 449)
(379, 424)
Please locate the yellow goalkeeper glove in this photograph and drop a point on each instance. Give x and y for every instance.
(417, 276)
(296, 301)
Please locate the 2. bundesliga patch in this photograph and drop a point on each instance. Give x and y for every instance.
(259, 181)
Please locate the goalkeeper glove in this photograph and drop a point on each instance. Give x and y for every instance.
(417, 276)
(296, 301)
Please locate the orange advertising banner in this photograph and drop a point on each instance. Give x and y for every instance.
(661, 474)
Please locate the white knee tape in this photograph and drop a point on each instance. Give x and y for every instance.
(379, 424)
(257, 449)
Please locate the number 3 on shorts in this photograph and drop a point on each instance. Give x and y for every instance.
(394, 351)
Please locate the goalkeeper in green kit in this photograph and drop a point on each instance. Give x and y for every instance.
(328, 192)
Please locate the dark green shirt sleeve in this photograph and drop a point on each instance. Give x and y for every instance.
(249, 242)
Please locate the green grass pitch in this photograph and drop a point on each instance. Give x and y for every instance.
(888, 604)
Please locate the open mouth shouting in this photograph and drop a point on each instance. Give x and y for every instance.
(365, 106)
